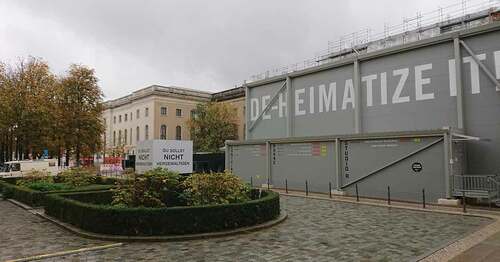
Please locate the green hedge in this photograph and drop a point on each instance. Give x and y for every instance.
(36, 198)
(143, 221)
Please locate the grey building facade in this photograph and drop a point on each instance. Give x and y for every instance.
(371, 119)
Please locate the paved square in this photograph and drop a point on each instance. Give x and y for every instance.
(316, 230)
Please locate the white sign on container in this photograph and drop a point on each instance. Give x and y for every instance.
(174, 155)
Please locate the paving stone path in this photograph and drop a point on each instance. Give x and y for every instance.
(316, 230)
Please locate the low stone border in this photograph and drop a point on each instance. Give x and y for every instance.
(65, 253)
(283, 215)
(445, 252)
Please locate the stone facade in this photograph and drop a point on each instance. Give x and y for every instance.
(159, 112)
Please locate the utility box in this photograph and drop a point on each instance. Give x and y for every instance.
(174, 155)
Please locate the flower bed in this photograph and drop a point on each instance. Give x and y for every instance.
(88, 211)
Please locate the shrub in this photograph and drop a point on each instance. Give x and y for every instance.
(35, 176)
(77, 177)
(155, 188)
(78, 210)
(44, 186)
(215, 188)
(33, 197)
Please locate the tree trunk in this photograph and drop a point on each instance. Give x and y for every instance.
(67, 157)
(59, 155)
(78, 154)
(11, 145)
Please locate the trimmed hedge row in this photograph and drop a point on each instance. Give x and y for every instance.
(142, 221)
(36, 198)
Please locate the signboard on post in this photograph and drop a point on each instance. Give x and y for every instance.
(174, 155)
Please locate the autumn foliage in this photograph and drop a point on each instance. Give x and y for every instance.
(40, 110)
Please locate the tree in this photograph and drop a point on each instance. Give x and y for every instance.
(26, 92)
(81, 110)
(212, 124)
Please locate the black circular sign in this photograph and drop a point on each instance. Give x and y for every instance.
(416, 167)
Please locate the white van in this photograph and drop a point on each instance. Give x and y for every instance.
(17, 168)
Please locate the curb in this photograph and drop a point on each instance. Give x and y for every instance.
(65, 253)
(282, 217)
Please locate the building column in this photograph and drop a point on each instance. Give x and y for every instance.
(357, 98)
(458, 83)
(289, 109)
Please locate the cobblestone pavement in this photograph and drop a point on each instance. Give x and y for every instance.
(23, 234)
(316, 230)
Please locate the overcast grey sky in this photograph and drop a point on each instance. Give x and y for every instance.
(208, 45)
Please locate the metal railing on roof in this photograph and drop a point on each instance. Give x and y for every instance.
(457, 16)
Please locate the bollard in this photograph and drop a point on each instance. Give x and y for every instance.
(388, 195)
(307, 189)
(251, 181)
(423, 197)
(464, 202)
(357, 194)
(330, 189)
(489, 201)
(286, 186)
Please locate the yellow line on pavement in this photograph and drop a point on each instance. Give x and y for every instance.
(64, 253)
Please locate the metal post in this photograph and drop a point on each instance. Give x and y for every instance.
(464, 202)
(446, 144)
(247, 113)
(423, 197)
(269, 169)
(463, 196)
(307, 189)
(458, 83)
(357, 193)
(289, 111)
(388, 195)
(330, 189)
(357, 98)
(489, 200)
(286, 186)
(338, 164)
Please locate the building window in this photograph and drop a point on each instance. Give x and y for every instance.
(146, 112)
(137, 113)
(119, 118)
(178, 133)
(131, 131)
(178, 112)
(114, 138)
(125, 136)
(131, 116)
(163, 110)
(137, 134)
(193, 114)
(126, 117)
(114, 120)
(163, 132)
(146, 132)
(119, 137)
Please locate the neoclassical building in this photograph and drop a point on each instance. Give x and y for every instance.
(160, 112)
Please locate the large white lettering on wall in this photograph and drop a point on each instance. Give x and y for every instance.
(397, 86)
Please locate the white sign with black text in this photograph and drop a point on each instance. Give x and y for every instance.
(174, 155)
